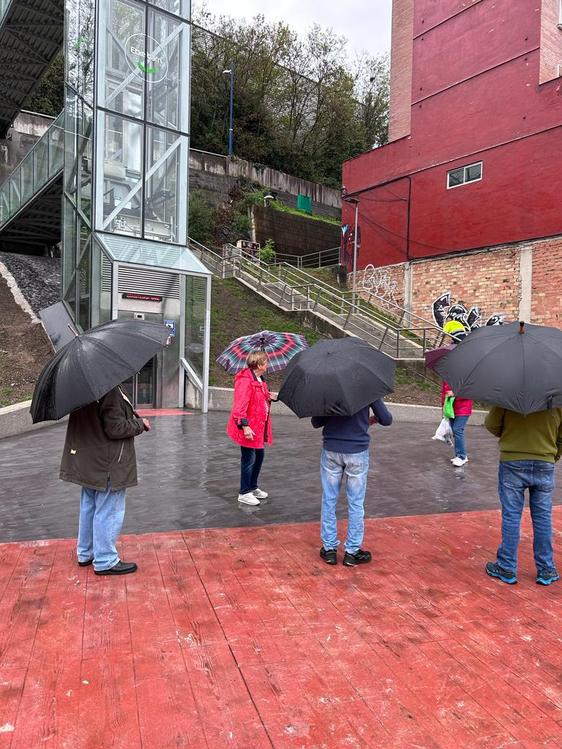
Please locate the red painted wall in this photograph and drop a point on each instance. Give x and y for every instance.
(476, 96)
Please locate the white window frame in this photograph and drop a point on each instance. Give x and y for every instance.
(465, 168)
(560, 14)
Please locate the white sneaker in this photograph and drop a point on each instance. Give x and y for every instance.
(260, 494)
(248, 499)
(459, 462)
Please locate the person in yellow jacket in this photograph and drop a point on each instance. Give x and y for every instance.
(529, 447)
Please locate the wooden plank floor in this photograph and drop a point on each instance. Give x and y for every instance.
(244, 638)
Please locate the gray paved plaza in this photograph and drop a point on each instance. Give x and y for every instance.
(189, 472)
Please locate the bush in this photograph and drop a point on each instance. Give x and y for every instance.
(201, 218)
(267, 252)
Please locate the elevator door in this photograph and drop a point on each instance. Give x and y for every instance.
(142, 388)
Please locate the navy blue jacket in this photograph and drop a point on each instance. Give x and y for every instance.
(350, 434)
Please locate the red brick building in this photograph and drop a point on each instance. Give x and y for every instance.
(467, 195)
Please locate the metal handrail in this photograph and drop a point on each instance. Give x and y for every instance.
(325, 299)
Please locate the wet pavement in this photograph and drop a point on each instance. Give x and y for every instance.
(189, 472)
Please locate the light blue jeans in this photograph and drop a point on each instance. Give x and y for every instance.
(333, 468)
(101, 520)
(538, 477)
(457, 425)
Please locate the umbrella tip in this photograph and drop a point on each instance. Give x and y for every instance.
(73, 330)
(521, 326)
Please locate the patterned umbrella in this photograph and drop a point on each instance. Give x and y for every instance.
(280, 348)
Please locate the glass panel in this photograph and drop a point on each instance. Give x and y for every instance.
(84, 163)
(195, 292)
(70, 297)
(84, 287)
(4, 202)
(145, 385)
(56, 146)
(122, 193)
(165, 47)
(41, 156)
(473, 172)
(79, 52)
(71, 128)
(161, 193)
(69, 244)
(15, 192)
(178, 7)
(106, 287)
(456, 177)
(125, 59)
(27, 177)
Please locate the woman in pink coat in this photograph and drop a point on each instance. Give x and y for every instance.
(462, 408)
(250, 425)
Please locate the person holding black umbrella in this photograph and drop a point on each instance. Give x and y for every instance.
(82, 380)
(345, 453)
(529, 447)
(338, 383)
(99, 455)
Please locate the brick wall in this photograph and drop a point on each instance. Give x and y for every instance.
(387, 282)
(489, 280)
(547, 283)
(551, 40)
(401, 69)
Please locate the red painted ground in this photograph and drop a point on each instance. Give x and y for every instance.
(244, 638)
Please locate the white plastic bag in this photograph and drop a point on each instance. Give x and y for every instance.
(444, 432)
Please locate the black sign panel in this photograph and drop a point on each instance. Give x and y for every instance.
(142, 297)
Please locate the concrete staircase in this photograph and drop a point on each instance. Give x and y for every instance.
(399, 334)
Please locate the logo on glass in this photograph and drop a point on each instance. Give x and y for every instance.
(146, 57)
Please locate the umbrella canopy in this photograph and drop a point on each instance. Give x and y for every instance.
(433, 355)
(279, 347)
(516, 366)
(339, 376)
(92, 364)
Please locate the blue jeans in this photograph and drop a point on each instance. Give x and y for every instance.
(101, 520)
(251, 461)
(538, 477)
(333, 467)
(457, 425)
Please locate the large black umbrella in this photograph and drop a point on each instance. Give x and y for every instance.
(339, 376)
(516, 366)
(92, 364)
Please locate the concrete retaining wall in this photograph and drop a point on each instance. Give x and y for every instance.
(16, 420)
(220, 399)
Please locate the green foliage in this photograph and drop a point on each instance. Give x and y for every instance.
(48, 97)
(300, 105)
(267, 252)
(201, 218)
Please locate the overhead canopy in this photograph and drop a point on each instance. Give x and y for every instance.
(134, 251)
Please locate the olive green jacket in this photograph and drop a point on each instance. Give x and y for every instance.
(99, 446)
(537, 436)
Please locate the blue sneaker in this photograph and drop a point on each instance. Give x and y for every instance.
(494, 570)
(547, 576)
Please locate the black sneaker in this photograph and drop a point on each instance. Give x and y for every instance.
(121, 568)
(86, 563)
(360, 557)
(547, 576)
(330, 556)
(494, 570)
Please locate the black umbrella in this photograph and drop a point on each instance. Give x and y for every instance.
(92, 364)
(339, 376)
(516, 366)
